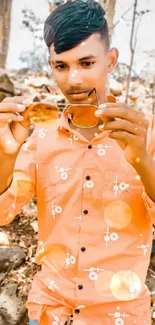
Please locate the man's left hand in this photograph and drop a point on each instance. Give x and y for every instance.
(128, 127)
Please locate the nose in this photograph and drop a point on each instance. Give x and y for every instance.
(74, 78)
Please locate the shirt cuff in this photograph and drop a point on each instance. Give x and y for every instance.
(150, 205)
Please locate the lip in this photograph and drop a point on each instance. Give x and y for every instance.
(79, 95)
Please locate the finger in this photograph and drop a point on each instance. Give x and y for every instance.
(8, 117)
(11, 107)
(124, 125)
(117, 105)
(19, 99)
(121, 112)
(122, 135)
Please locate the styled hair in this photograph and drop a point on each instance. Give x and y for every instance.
(73, 22)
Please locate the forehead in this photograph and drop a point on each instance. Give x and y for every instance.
(91, 46)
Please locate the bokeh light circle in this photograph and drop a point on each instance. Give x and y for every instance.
(125, 285)
(118, 214)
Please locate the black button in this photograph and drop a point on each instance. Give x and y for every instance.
(83, 249)
(77, 311)
(89, 146)
(80, 287)
(85, 211)
(88, 178)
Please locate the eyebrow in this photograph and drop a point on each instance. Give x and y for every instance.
(81, 59)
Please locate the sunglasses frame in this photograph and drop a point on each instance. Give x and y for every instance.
(84, 105)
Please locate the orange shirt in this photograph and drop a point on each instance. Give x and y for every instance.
(95, 227)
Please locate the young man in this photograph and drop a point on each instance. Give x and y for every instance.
(95, 186)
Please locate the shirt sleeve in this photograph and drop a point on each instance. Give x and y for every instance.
(149, 204)
(22, 188)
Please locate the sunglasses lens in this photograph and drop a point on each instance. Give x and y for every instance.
(83, 116)
(43, 112)
(111, 99)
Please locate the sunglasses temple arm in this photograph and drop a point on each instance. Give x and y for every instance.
(96, 93)
(97, 97)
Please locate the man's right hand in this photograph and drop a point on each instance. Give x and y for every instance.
(13, 127)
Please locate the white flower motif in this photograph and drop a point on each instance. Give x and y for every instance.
(13, 205)
(25, 148)
(114, 236)
(58, 209)
(52, 285)
(89, 184)
(101, 152)
(64, 176)
(42, 133)
(99, 146)
(72, 260)
(119, 321)
(61, 170)
(123, 186)
(110, 236)
(119, 186)
(93, 276)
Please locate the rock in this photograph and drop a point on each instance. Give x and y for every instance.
(11, 257)
(2, 277)
(4, 240)
(22, 71)
(34, 226)
(29, 209)
(11, 307)
(115, 87)
(48, 98)
(39, 81)
(2, 96)
(6, 85)
(2, 321)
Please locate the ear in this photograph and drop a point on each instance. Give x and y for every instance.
(49, 61)
(112, 59)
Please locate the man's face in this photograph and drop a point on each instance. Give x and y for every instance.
(79, 70)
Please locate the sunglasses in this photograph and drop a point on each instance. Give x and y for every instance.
(81, 115)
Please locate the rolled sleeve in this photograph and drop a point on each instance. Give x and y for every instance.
(149, 203)
(22, 187)
(150, 206)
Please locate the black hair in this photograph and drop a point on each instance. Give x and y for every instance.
(73, 22)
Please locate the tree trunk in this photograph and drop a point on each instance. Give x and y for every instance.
(109, 6)
(5, 13)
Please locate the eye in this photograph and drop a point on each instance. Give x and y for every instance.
(60, 67)
(87, 64)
